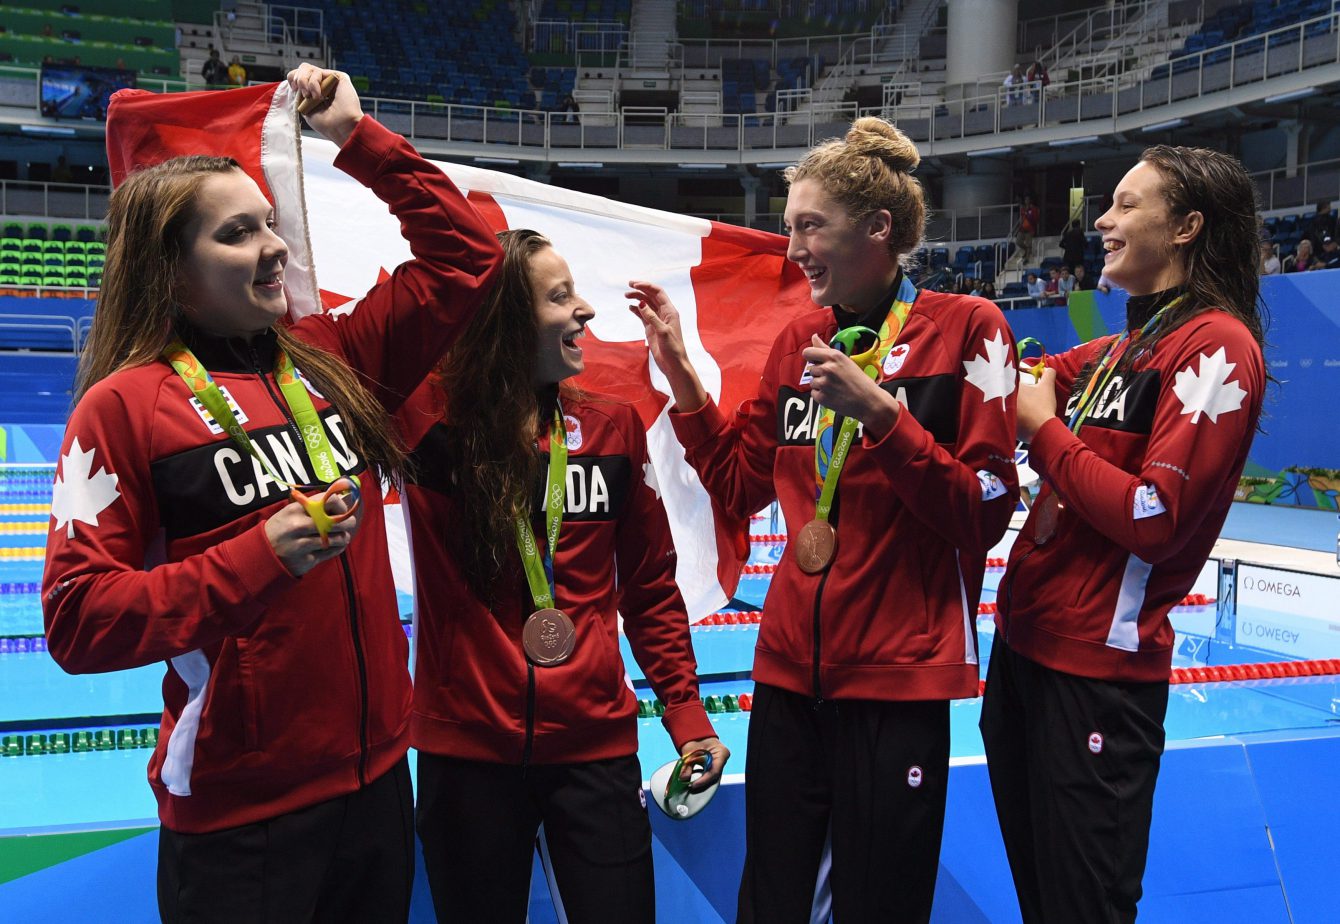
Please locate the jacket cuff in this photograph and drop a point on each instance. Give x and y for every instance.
(687, 722)
(256, 566)
(1048, 442)
(365, 150)
(897, 447)
(697, 427)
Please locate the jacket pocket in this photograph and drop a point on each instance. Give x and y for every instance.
(249, 695)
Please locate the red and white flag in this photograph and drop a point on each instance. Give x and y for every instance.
(733, 286)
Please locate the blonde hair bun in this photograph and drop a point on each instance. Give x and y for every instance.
(874, 137)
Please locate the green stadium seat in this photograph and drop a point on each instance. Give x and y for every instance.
(54, 281)
(75, 261)
(32, 246)
(93, 247)
(37, 232)
(13, 230)
(28, 279)
(86, 233)
(10, 279)
(53, 247)
(8, 244)
(61, 233)
(73, 246)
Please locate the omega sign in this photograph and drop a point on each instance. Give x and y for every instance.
(1288, 611)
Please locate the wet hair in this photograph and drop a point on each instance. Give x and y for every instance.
(486, 390)
(139, 307)
(868, 170)
(1221, 261)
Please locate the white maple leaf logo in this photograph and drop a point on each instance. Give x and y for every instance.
(1208, 391)
(993, 374)
(649, 476)
(78, 494)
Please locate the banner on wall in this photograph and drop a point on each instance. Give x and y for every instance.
(733, 286)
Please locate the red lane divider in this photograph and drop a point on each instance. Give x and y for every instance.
(1225, 673)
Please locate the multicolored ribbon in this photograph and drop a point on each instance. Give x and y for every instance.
(829, 455)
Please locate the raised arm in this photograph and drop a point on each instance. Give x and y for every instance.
(733, 457)
(399, 330)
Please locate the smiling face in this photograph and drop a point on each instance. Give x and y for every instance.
(560, 318)
(846, 263)
(230, 279)
(1141, 235)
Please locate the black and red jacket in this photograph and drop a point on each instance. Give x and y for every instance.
(476, 696)
(279, 692)
(1144, 488)
(894, 616)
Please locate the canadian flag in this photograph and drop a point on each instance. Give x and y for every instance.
(733, 286)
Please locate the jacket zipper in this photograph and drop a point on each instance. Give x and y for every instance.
(818, 645)
(359, 657)
(530, 717)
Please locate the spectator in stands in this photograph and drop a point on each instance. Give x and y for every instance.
(237, 74)
(60, 171)
(1320, 224)
(975, 287)
(1270, 262)
(1072, 244)
(1065, 284)
(1137, 479)
(569, 107)
(1014, 86)
(1330, 254)
(849, 745)
(214, 71)
(989, 290)
(1037, 289)
(1037, 75)
(1026, 229)
(1083, 281)
(1052, 288)
(1301, 259)
(281, 771)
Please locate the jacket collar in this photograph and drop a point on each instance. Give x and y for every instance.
(230, 354)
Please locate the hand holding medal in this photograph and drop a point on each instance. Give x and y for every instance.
(316, 505)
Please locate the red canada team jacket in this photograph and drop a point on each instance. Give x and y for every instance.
(279, 692)
(476, 696)
(894, 616)
(1145, 488)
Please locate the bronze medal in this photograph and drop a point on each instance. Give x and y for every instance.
(548, 637)
(1045, 517)
(815, 544)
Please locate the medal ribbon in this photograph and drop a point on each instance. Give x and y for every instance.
(1102, 373)
(315, 441)
(828, 468)
(539, 574)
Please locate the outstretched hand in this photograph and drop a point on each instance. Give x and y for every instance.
(665, 340)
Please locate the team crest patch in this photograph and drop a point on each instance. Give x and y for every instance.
(806, 375)
(914, 776)
(208, 418)
(992, 486)
(573, 426)
(894, 361)
(1096, 743)
(1147, 503)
